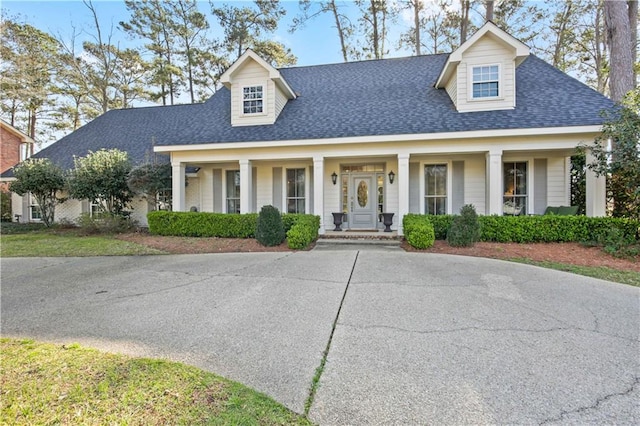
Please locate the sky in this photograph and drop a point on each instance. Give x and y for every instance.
(316, 44)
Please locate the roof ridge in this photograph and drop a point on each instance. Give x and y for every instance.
(365, 60)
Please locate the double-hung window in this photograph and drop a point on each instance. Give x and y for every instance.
(252, 100)
(486, 81)
(34, 208)
(295, 191)
(233, 191)
(435, 188)
(515, 188)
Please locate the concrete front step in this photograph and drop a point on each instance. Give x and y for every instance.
(367, 244)
(355, 241)
(360, 240)
(361, 235)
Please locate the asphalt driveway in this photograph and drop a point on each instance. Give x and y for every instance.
(418, 339)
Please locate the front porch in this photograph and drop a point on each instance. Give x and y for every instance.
(365, 180)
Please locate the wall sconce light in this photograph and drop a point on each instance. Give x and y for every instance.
(334, 178)
(392, 176)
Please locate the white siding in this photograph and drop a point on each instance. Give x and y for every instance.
(486, 51)
(69, 211)
(474, 183)
(391, 203)
(265, 186)
(206, 189)
(332, 192)
(252, 74)
(452, 89)
(557, 182)
(280, 100)
(192, 195)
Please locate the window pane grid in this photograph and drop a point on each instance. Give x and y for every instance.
(252, 100)
(515, 188)
(435, 184)
(233, 191)
(295, 191)
(485, 81)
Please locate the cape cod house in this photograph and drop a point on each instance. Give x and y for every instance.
(489, 125)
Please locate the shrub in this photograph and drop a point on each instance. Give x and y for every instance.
(465, 229)
(551, 228)
(44, 180)
(269, 227)
(5, 206)
(614, 242)
(105, 224)
(303, 231)
(441, 224)
(533, 229)
(101, 177)
(202, 224)
(418, 231)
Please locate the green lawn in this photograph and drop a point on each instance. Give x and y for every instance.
(52, 384)
(601, 272)
(47, 244)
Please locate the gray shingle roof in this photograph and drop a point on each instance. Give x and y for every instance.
(379, 97)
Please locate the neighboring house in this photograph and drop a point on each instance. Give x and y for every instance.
(488, 125)
(15, 146)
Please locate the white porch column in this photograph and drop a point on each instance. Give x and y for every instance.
(596, 191)
(245, 186)
(318, 190)
(402, 180)
(177, 186)
(494, 182)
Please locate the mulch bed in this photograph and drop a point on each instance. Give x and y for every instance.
(569, 253)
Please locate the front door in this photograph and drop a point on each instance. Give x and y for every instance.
(362, 200)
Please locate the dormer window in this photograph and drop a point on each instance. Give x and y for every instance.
(252, 100)
(486, 81)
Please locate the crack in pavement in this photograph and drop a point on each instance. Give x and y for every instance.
(593, 406)
(461, 329)
(318, 375)
(230, 273)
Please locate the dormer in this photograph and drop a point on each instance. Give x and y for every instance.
(481, 74)
(258, 91)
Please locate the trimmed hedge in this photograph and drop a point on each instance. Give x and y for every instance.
(441, 224)
(303, 230)
(204, 224)
(418, 231)
(534, 229)
(547, 228)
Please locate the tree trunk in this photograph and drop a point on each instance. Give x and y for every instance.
(336, 16)
(633, 26)
(489, 5)
(601, 75)
(616, 15)
(464, 20)
(190, 71)
(560, 39)
(32, 124)
(374, 13)
(416, 23)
